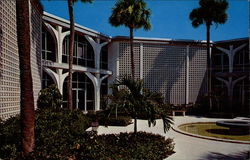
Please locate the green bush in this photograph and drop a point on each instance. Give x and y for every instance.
(104, 118)
(10, 138)
(113, 121)
(49, 98)
(125, 146)
(57, 132)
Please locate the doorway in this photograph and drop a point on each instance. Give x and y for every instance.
(79, 99)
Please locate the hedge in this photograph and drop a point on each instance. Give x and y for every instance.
(125, 146)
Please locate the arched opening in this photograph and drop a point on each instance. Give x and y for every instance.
(48, 46)
(83, 52)
(104, 57)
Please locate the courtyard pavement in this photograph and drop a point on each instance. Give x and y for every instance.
(186, 147)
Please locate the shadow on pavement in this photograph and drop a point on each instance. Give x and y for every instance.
(218, 156)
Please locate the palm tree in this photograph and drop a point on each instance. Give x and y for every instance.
(134, 15)
(136, 101)
(210, 12)
(71, 48)
(27, 99)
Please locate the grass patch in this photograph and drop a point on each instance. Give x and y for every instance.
(210, 129)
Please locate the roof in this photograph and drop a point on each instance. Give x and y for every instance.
(159, 40)
(63, 22)
(233, 40)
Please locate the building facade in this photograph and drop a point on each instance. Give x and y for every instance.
(166, 66)
(231, 67)
(10, 73)
(90, 62)
(176, 68)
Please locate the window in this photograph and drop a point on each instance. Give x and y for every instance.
(48, 47)
(80, 55)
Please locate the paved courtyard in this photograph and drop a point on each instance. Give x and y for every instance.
(186, 147)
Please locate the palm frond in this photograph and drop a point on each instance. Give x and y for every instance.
(209, 12)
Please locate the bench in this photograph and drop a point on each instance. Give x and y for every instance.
(180, 111)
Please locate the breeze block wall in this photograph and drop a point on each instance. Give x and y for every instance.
(176, 69)
(10, 73)
(36, 47)
(9, 79)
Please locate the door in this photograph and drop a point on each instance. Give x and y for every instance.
(81, 100)
(78, 99)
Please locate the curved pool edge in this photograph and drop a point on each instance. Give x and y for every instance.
(176, 129)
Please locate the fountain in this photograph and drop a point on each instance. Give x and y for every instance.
(235, 126)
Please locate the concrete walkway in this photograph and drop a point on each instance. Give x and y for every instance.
(186, 147)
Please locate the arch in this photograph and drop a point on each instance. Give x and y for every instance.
(49, 49)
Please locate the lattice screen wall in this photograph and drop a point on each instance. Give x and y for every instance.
(9, 81)
(36, 36)
(164, 70)
(197, 72)
(124, 59)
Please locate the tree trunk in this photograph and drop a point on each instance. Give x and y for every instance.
(27, 99)
(208, 24)
(131, 31)
(135, 125)
(71, 50)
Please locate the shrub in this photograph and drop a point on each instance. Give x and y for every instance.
(104, 118)
(49, 98)
(125, 146)
(57, 132)
(113, 121)
(10, 137)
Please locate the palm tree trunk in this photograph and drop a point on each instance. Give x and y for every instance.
(131, 31)
(27, 99)
(71, 50)
(135, 125)
(208, 24)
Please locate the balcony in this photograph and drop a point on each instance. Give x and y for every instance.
(77, 68)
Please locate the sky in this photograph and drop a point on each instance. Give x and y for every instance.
(169, 19)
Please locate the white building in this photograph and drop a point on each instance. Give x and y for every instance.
(176, 68)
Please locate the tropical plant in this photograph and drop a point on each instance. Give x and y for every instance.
(210, 12)
(134, 15)
(27, 99)
(71, 49)
(49, 98)
(135, 101)
(117, 98)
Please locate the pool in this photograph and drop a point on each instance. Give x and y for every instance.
(210, 129)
